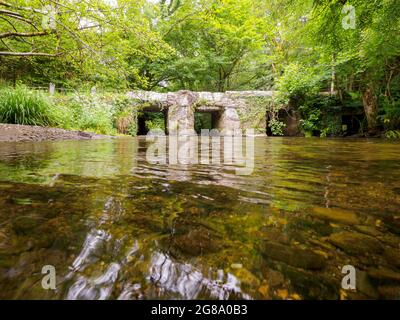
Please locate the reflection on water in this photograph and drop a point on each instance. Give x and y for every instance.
(118, 227)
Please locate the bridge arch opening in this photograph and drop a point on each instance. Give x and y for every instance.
(149, 119)
(206, 120)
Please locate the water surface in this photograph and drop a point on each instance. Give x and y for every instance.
(117, 227)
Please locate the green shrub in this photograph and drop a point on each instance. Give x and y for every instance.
(133, 128)
(23, 106)
(155, 120)
(390, 114)
(322, 114)
(72, 111)
(125, 121)
(331, 125)
(87, 112)
(392, 134)
(126, 113)
(276, 127)
(311, 123)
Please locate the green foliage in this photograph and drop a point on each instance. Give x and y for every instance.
(133, 129)
(202, 121)
(311, 123)
(155, 120)
(86, 112)
(215, 45)
(125, 118)
(365, 58)
(121, 104)
(298, 82)
(256, 110)
(91, 42)
(296, 47)
(331, 125)
(392, 134)
(27, 107)
(276, 127)
(253, 116)
(321, 114)
(390, 114)
(98, 113)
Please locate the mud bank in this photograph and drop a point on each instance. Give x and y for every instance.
(14, 132)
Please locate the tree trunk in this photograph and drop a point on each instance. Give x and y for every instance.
(333, 74)
(370, 103)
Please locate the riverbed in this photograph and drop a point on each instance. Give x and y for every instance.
(115, 226)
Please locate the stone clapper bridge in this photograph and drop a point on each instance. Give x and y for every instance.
(230, 111)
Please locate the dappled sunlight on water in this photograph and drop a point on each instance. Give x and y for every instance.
(118, 227)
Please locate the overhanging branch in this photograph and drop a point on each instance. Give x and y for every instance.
(5, 4)
(30, 54)
(23, 34)
(9, 5)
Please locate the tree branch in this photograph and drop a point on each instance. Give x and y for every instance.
(30, 54)
(9, 22)
(5, 44)
(9, 5)
(10, 13)
(23, 34)
(17, 17)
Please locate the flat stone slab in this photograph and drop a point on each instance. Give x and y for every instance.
(296, 257)
(230, 99)
(384, 274)
(335, 215)
(355, 243)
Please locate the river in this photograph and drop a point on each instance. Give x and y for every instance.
(115, 226)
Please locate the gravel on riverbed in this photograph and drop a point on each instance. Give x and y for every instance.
(16, 132)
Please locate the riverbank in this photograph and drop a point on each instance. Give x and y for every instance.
(16, 132)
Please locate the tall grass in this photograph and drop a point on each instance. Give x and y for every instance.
(23, 106)
(82, 111)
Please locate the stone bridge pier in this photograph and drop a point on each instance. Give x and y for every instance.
(181, 112)
(230, 110)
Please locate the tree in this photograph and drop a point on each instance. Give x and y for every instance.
(80, 40)
(295, 46)
(217, 44)
(368, 54)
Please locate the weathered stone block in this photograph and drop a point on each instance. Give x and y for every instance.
(229, 121)
(180, 119)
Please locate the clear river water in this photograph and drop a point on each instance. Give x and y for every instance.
(115, 226)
